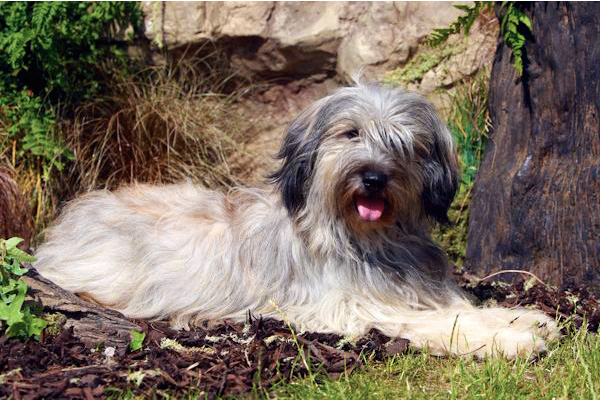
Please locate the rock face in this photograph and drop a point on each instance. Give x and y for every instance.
(301, 39)
(306, 49)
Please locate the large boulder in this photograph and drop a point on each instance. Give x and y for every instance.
(302, 39)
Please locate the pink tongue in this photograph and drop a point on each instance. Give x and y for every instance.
(369, 209)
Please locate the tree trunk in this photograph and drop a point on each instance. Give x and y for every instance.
(536, 201)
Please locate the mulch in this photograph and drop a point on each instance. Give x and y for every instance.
(576, 304)
(231, 359)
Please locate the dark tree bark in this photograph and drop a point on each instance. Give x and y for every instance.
(536, 201)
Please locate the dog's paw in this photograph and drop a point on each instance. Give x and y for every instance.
(480, 332)
(519, 332)
(512, 344)
(531, 320)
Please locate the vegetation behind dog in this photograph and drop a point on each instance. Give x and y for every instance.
(52, 56)
(77, 112)
(164, 124)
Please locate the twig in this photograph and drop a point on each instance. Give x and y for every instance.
(517, 271)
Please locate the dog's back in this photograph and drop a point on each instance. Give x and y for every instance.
(113, 246)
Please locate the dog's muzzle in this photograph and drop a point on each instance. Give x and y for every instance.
(371, 205)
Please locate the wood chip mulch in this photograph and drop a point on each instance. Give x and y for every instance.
(575, 304)
(229, 359)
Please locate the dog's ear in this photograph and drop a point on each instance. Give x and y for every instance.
(441, 176)
(298, 154)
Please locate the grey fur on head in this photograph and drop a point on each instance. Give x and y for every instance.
(339, 243)
(400, 126)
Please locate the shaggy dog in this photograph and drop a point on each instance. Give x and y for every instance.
(339, 243)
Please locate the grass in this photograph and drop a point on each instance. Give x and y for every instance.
(469, 122)
(25, 191)
(569, 370)
(166, 124)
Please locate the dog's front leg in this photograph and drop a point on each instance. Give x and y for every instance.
(467, 330)
(457, 329)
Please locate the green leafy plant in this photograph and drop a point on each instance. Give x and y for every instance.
(469, 122)
(53, 55)
(514, 24)
(27, 122)
(50, 53)
(55, 49)
(137, 339)
(16, 317)
(463, 23)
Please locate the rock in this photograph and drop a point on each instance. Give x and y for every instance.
(301, 39)
(472, 52)
(386, 33)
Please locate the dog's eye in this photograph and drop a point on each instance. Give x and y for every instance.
(351, 134)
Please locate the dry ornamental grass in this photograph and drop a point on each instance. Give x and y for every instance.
(164, 125)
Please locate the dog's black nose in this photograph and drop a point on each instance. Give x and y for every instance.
(374, 181)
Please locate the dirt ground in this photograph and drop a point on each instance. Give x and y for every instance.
(232, 359)
(269, 110)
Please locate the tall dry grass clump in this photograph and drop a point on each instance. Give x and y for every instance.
(162, 125)
(15, 217)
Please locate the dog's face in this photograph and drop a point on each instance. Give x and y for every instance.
(370, 156)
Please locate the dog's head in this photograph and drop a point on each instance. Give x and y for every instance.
(370, 156)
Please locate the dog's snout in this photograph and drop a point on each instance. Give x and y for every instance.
(374, 181)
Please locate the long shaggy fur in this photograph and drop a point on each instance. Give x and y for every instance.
(300, 250)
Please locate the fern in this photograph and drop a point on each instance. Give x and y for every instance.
(513, 24)
(53, 53)
(510, 24)
(463, 23)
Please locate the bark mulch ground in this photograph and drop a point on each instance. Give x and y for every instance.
(229, 359)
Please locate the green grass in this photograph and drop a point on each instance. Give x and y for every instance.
(424, 61)
(569, 370)
(469, 122)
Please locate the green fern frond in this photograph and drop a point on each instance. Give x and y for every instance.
(51, 53)
(462, 24)
(513, 25)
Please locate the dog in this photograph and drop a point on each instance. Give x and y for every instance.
(339, 241)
